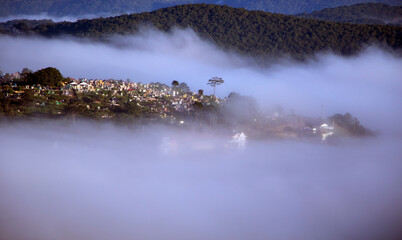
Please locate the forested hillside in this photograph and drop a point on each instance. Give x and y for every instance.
(365, 13)
(85, 7)
(298, 6)
(254, 33)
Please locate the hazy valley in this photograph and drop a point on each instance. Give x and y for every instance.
(116, 141)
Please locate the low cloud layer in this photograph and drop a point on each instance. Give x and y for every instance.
(89, 181)
(45, 15)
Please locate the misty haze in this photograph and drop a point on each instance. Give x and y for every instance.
(73, 177)
(105, 182)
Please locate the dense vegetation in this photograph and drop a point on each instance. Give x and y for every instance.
(297, 6)
(368, 13)
(16, 26)
(47, 77)
(254, 33)
(84, 7)
(350, 125)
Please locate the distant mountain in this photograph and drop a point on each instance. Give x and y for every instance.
(298, 6)
(365, 13)
(254, 33)
(85, 7)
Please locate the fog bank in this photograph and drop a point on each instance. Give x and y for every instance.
(91, 181)
(45, 15)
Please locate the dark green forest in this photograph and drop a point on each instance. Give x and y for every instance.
(254, 33)
(297, 6)
(365, 13)
(84, 7)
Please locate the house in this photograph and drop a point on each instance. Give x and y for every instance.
(326, 128)
(239, 140)
(326, 131)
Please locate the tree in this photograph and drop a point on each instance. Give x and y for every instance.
(22, 26)
(7, 77)
(200, 92)
(27, 98)
(184, 87)
(175, 83)
(215, 81)
(350, 124)
(25, 73)
(47, 76)
(240, 109)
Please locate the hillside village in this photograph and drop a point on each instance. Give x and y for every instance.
(158, 97)
(105, 95)
(135, 102)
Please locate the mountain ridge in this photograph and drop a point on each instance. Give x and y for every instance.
(254, 33)
(363, 13)
(85, 7)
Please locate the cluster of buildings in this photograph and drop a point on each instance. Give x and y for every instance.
(161, 97)
(157, 97)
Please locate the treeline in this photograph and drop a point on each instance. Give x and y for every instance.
(21, 25)
(366, 13)
(84, 7)
(297, 6)
(350, 125)
(253, 33)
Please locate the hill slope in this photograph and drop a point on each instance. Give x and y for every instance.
(365, 13)
(298, 6)
(249, 32)
(85, 7)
